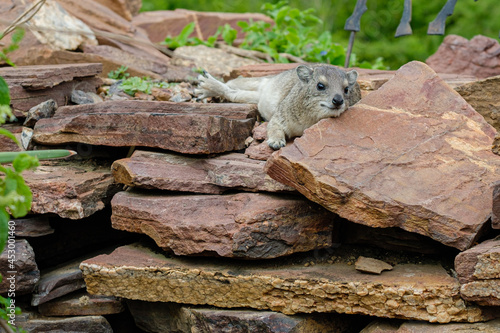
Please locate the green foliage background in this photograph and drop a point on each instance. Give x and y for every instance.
(378, 24)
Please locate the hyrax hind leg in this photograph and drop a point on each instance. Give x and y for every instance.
(210, 87)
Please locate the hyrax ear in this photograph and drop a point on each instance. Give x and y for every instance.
(352, 76)
(304, 73)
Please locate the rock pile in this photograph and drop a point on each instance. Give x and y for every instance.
(175, 216)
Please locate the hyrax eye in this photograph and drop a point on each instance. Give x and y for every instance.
(346, 90)
(320, 86)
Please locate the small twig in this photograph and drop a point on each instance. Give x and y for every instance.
(6, 327)
(293, 58)
(29, 13)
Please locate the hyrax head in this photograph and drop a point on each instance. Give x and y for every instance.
(329, 87)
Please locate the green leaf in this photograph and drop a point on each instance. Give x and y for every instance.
(4, 92)
(9, 157)
(185, 33)
(8, 134)
(243, 25)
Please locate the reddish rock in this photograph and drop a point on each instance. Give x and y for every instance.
(98, 16)
(125, 8)
(495, 219)
(32, 85)
(479, 57)
(482, 96)
(243, 225)
(134, 61)
(412, 154)
(160, 24)
(7, 144)
(58, 281)
(174, 172)
(480, 262)
(33, 322)
(81, 304)
(136, 272)
(478, 270)
(70, 190)
(380, 326)
(34, 226)
(171, 317)
(18, 269)
(371, 265)
(190, 128)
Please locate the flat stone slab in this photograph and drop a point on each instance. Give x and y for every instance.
(71, 190)
(478, 270)
(482, 292)
(32, 85)
(33, 322)
(21, 271)
(171, 317)
(371, 265)
(417, 292)
(385, 326)
(58, 281)
(174, 172)
(481, 262)
(82, 304)
(34, 226)
(243, 225)
(413, 154)
(189, 128)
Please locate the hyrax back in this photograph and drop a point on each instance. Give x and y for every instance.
(293, 100)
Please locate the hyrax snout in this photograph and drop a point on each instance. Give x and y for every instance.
(292, 100)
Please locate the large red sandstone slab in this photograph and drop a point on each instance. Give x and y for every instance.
(243, 225)
(420, 292)
(70, 190)
(412, 154)
(174, 172)
(32, 85)
(191, 128)
(479, 57)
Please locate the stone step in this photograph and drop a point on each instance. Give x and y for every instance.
(417, 292)
(171, 317)
(32, 85)
(412, 154)
(243, 225)
(189, 128)
(70, 189)
(173, 172)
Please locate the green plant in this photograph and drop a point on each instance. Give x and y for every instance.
(183, 39)
(119, 74)
(294, 32)
(16, 38)
(134, 84)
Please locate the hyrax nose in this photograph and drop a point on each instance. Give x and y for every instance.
(338, 100)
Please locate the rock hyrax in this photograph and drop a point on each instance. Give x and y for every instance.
(291, 101)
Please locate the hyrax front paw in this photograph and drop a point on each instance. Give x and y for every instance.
(276, 143)
(209, 86)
